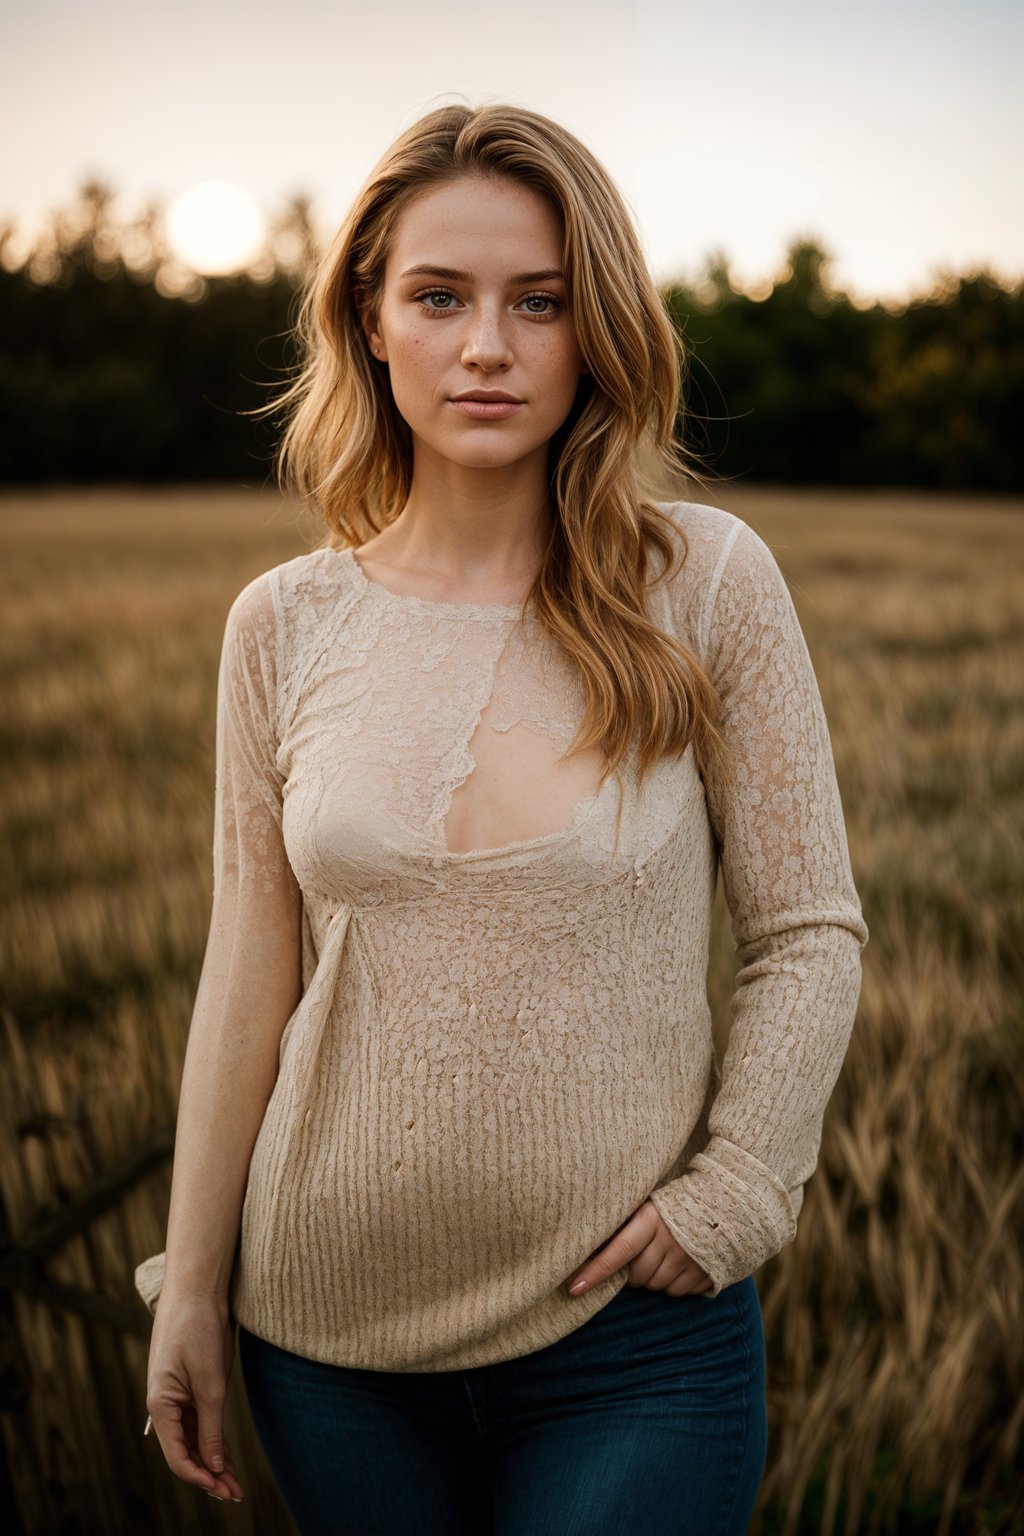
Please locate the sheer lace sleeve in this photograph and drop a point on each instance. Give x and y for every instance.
(249, 857)
(796, 921)
(252, 965)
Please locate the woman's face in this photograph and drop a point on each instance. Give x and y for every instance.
(494, 320)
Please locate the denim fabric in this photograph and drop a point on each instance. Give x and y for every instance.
(649, 1417)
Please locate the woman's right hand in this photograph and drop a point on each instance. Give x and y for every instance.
(190, 1357)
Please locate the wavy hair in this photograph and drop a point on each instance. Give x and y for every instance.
(347, 452)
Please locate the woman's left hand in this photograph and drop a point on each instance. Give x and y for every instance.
(655, 1259)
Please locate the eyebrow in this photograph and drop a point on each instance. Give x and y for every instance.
(514, 281)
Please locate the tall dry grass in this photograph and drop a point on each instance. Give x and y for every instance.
(895, 1322)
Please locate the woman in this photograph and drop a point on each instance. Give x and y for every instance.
(478, 765)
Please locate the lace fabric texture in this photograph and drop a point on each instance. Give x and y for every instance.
(502, 1044)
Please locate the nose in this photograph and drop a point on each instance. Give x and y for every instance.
(486, 343)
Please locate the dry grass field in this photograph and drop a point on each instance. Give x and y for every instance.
(895, 1322)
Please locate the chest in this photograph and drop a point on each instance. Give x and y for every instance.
(453, 741)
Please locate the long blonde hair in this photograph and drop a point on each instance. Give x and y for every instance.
(347, 452)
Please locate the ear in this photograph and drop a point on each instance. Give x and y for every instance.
(369, 323)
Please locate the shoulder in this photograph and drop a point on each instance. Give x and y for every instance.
(703, 524)
(278, 620)
(277, 616)
(272, 601)
(718, 545)
(747, 621)
(298, 612)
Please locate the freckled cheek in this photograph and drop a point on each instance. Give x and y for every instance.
(418, 355)
(556, 361)
(418, 368)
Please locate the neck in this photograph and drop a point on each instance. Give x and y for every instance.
(472, 524)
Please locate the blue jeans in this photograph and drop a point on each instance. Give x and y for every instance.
(649, 1417)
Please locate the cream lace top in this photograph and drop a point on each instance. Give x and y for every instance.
(502, 1049)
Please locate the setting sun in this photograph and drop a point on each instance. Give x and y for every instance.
(215, 228)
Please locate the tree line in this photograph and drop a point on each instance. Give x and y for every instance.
(116, 364)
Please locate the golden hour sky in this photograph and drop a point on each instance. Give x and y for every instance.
(891, 130)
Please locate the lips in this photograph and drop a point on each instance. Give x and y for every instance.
(485, 408)
(489, 397)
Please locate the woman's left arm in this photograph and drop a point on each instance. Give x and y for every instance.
(796, 921)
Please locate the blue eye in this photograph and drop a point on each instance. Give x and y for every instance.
(446, 293)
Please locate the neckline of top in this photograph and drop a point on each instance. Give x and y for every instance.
(425, 604)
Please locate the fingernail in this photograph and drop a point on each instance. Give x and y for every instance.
(575, 1289)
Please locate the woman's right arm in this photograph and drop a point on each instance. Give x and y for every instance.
(250, 984)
